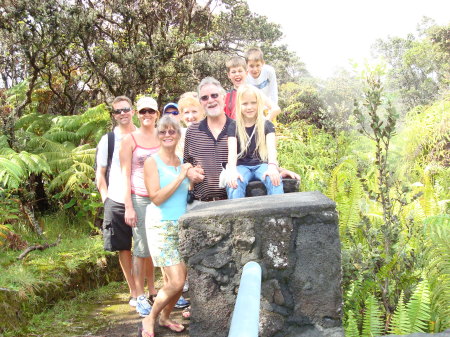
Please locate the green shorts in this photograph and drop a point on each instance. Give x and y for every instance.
(140, 242)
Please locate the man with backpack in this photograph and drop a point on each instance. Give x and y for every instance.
(117, 235)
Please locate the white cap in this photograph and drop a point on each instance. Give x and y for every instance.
(146, 102)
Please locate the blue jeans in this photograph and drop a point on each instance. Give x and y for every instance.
(250, 173)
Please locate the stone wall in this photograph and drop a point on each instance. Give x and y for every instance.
(295, 239)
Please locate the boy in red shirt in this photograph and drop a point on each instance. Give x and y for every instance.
(237, 73)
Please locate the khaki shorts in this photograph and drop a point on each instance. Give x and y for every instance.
(140, 248)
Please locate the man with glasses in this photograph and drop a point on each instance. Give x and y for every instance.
(206, 145)
(117, 235)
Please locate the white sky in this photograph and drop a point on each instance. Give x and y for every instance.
(326, 34)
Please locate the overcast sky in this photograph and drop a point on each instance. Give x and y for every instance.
(327, 33)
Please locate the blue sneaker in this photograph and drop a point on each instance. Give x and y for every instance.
(142, 306)
(182, 303)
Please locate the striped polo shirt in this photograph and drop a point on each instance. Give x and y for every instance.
(202, 148)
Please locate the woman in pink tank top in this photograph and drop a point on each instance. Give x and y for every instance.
(134, 150)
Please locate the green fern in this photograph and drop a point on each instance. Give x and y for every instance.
(400, 324)
(372, 321)
(345, 188)
(15, 167)
(437, 231)
(351, 329)
(418, 308)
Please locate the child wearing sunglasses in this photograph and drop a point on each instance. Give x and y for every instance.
(252, 153)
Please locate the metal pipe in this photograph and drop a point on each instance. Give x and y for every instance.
(245, 320)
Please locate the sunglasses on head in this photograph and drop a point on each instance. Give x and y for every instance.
(175, 112)
(206, 97)
(171, 132)
(119, 111)
(144, 111)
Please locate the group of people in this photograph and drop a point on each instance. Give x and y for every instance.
(145, 177)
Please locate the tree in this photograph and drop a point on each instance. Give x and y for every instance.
(300, 101)
(419, 67)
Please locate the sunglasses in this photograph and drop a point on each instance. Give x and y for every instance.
(206, 97)
(175, 112)
(144, 111)
(171, 132)
(119, 111)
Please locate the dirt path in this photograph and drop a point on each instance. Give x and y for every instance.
(124, 321)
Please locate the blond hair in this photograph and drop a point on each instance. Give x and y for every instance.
(241, 133)
(188, 101)
(254, 54)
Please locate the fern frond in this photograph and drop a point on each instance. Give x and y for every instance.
(11, 174)
(400, 324)
(63, 136)
(372, 321)
(89, 130)
(33, 162)
(437, 231)
(35, 123)
(345, 188)
(351, 329)
(418, 308)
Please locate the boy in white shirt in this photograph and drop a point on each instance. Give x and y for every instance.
(261, 74)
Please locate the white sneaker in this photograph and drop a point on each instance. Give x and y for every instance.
(133, 301)
(142, 306)
(186, 286)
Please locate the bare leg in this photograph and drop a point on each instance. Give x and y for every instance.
(150, 275)
(126, 263)
(167, 297)
(138, 274)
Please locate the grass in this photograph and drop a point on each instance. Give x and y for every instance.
(72, 317)
(42, 278)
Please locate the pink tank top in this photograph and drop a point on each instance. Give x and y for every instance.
(140, 154)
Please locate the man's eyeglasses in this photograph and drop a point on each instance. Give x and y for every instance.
(171, 132)
(206, 97)
(144, 111)
(119, 111)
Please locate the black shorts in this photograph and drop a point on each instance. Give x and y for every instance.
(117, 234)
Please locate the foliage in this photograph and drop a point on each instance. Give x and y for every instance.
(381, 212)
(426, 135)
(79, 314)
(400, 324)
(338, 94)
(419, 68)
(372, 323)
(310, 152)
(86, 51)
(300, 101)
(437, 231)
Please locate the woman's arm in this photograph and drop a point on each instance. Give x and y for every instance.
(151, 179)
(272, 170)
(125, 156)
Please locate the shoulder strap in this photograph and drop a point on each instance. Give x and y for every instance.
(110, 154)
(110, 147)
